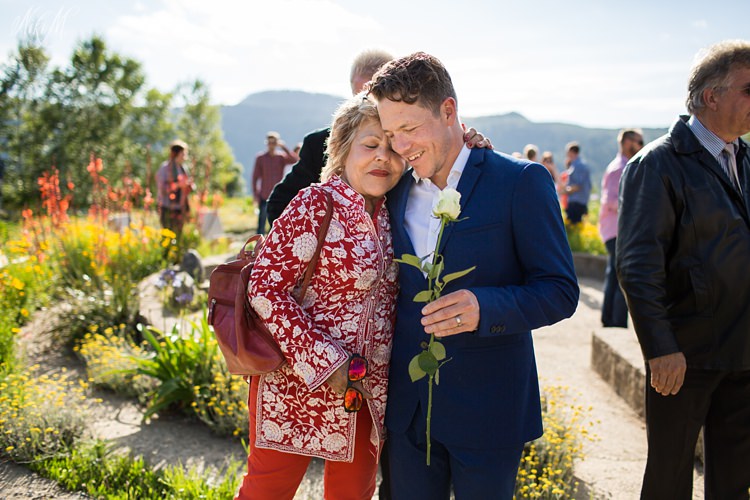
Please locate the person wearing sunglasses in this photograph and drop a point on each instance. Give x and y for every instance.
(683, 242)
(614, 309)
(329, 399)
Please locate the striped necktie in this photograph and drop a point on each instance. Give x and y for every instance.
(729, 164)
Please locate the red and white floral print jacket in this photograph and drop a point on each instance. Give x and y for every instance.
(349, 308)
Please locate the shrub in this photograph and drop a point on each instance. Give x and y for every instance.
(180, 372)
(100, 270)
(110, 358)
(40, 417)
(546, 468)
(96, 470)
(222, 404)
(584, 237)
(179, 363)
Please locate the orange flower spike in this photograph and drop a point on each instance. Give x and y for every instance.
(99, 165)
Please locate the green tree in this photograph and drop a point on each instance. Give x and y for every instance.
(23, 101)
(88, 104)
(199, 124)
(150, 128)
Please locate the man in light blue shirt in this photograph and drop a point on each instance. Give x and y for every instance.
(578, 188)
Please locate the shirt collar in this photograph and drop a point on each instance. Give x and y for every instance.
(456, 170)
(708, 139)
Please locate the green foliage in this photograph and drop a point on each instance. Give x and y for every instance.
(22, 104)
(179, 363)
(200, 126)
(98, 105)
(99, 271)
(584, 237)
(96, 470)
(115, 361)
(39, 417)
(546, 468)
(8, 331)
(110, 357)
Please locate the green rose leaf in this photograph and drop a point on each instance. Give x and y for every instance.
(436, 270)
(454, 276)
(427, 362)
(423, 296)
(438, 350)
(415, 372)
(411, 260)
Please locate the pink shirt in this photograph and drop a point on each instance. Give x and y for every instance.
(609, 197)
(268, 171)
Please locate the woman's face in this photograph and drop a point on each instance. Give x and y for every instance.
(372, 168)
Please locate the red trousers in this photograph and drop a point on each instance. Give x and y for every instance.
(276, 475)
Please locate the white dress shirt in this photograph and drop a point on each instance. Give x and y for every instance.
(421, 226)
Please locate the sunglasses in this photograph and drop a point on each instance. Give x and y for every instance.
(356, 371)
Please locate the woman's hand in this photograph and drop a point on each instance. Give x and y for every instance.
(474, 138)
(338, 382)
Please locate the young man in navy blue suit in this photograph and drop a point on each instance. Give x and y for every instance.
(486, 406)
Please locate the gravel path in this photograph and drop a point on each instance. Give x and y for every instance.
(612, 467)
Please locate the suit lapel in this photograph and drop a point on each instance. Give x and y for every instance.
(466, 184)
(398, 198)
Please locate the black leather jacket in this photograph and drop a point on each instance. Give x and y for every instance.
(683, 252)
(305, 172)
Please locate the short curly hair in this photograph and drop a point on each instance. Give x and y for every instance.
(417, 78)
(347, 120)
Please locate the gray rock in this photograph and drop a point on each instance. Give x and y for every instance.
(192, 263)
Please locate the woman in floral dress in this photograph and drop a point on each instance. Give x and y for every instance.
(297, 412)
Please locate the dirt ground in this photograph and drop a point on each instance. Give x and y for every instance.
(612, 467)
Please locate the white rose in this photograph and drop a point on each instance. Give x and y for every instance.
(448, 205)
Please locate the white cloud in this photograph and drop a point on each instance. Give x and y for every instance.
(229, 44)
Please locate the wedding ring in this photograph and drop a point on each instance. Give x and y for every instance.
(458, 320)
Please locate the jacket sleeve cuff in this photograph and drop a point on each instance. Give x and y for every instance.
(341, 357)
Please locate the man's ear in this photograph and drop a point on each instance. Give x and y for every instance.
(710, 98)
(449, 111)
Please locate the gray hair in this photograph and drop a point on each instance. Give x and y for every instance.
(347, 120)
(711, 70)
(368, 62)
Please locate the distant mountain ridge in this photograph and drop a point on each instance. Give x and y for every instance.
(295, 113)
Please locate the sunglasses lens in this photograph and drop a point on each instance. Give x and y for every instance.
(352, 400)
(357, 368)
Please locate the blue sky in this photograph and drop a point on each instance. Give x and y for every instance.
(608, 64)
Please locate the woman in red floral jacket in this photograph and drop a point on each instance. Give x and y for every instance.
(297, 412)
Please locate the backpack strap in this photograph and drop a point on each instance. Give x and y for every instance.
(321, 240)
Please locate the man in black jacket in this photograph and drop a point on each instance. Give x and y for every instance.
(683, 260)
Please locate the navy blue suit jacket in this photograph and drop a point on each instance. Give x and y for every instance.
(488, 394)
